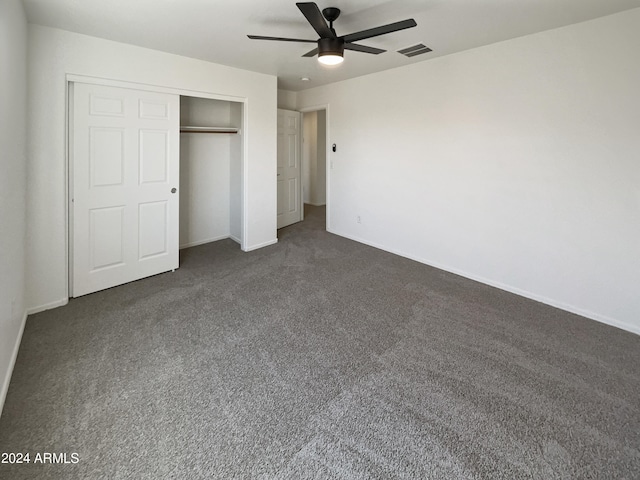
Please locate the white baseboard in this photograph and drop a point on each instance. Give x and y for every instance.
(508, 288)
(14, 356)
(260, 245)
(235, 239)
(315, 204)
(47, 306)
(202, 242)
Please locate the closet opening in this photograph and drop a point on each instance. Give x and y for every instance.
(150, 171)
(210, 171)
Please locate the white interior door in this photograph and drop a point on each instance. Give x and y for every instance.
(289, 171)
(125, 168)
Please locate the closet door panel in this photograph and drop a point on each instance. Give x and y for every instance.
(125, 175)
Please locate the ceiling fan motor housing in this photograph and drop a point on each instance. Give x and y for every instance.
(331, 46)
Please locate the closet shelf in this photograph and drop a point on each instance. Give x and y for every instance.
(191, 129)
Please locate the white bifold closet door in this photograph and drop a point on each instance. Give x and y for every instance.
(125, 174)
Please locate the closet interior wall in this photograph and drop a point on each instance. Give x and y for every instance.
(210, 172)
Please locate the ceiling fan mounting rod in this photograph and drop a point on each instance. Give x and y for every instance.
(331, 14)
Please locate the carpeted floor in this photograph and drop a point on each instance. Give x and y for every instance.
(320, 358)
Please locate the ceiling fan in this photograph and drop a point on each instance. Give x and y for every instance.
(331, 47)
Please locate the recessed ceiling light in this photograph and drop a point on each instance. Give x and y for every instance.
(305, 79)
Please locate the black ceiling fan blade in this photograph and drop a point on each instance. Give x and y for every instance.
(312, 53)
(314, 16)
(362, 48)
(280, 39)
(374, 32)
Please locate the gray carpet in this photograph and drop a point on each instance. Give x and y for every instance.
(320, 358)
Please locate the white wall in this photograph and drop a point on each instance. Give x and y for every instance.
(320, 197)
(309, 154)
(517, 164)
(314, 157)
(287, 99)
(13, 168)
(55, 53)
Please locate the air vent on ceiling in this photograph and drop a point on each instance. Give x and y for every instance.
(418, 49)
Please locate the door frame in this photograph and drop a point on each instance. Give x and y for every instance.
(328, 161)
(72, 78)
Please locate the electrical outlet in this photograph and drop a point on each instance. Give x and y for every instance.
(358, 219)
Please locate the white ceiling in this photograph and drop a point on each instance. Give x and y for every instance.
(216, 30)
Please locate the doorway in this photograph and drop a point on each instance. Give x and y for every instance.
(303, 180)
(314, 163)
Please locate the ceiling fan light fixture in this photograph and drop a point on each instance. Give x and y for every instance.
(330, 51)
(330, 59)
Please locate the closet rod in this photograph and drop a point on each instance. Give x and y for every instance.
(186, 129)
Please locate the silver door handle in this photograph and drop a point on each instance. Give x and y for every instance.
(174, 190)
